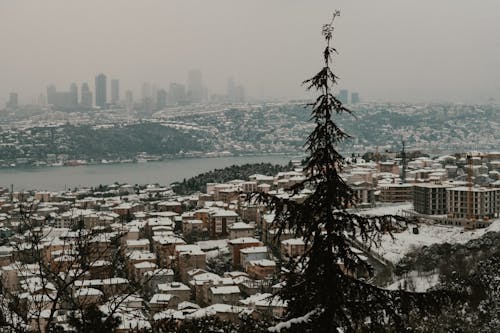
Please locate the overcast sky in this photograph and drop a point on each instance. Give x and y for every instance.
(390, 50)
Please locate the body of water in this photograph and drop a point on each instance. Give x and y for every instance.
(162, 172)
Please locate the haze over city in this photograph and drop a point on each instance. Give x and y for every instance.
(389, 50)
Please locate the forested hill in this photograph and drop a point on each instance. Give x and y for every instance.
(197, 183)
(98, 142)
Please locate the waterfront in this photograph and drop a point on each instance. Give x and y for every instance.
(162, 172)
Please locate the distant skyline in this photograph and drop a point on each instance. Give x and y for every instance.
(390, 50)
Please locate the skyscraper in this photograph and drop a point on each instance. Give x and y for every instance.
(86, 96)
(13, 101)
(354, 98)
(344, 96)
(115, 91)
(235, 94)
(129, 99)
(176, 94)
(100, 91)
(51, 92)
(161, 99)
(73, 89)
(195, 86)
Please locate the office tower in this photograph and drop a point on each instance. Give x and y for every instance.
(129, 99)
(239, 94)
(13, 102)
(161, 99)
(74, 94)
(354, 98)
(63, 100)
(176, 94)
(100, 91)
(235, 93)
(41, 100)
(86, 96)
(146, 90)
(343, 96)
(51, 91)
(195, 87)
(147, 103)
(115, 91)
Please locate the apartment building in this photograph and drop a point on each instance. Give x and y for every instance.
(485, 202)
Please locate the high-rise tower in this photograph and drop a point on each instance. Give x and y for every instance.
(195, 87)
(73, 90)
(100, 91)
(86, 96)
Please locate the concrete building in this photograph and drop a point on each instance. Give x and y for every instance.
(195, 86)
(13, 102)
(100, 91)
(161, 99)
(86, 96)
(430, 199)
(485, 202)
(236, 245)
(177, 94)
(343, 96)
(396, 193)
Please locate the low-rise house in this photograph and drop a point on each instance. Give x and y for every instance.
(192, 228)
(261, 269)
(158, 276)
(219, 222)
(164, 247)
(177, 289)
(137, 245)
(141, 268)
(293, 247)
(224, 295)
(85, 297)
(189, 257)
(240, 243)
(160, 302)
(252, 253)
(241, 229)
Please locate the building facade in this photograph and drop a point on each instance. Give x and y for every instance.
(100, 91)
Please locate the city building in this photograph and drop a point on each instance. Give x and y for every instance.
(485, 202)
(430, 199)
(100, 91)
(177, 94)
(354, 98)
(235, 93)
(161, 99)
(73, 89)
(51, 91)
(13, 102)
(396, 192)
(343, 96)
(129, 98)
(86, 96)
(63, 100)
(195, 86)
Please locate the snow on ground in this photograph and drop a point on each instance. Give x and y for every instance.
(403, 242)
(395, 209)
(415, 282)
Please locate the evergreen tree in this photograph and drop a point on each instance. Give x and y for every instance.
(321, 289)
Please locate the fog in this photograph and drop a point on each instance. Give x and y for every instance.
(390, 50)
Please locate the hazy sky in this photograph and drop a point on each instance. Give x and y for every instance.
(398, 50)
